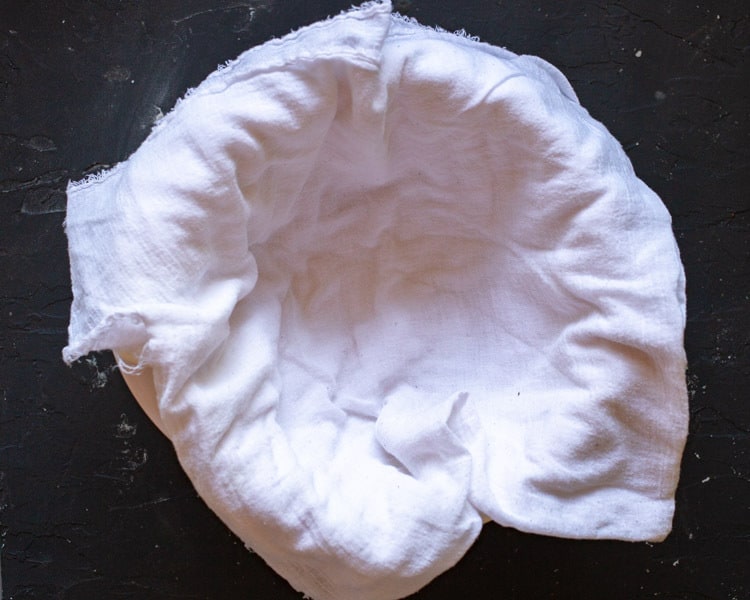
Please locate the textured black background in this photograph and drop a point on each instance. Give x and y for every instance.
(93, 504)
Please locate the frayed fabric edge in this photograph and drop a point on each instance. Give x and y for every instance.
(460, 33)
(123, 325)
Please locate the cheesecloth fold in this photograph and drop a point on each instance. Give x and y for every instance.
(379, 283)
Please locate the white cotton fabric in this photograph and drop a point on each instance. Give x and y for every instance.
(378, 283)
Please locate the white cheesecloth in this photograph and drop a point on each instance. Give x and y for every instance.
(378, 283)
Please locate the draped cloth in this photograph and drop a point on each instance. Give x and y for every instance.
(379, 283)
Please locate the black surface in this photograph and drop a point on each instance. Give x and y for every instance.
(93, 503)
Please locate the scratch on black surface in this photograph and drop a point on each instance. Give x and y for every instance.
(47, 179)
(43, 194)
(43, 201)
(153, 502)
(249, 5)
(40, 143)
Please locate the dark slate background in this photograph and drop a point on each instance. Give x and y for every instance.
(93, 504)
